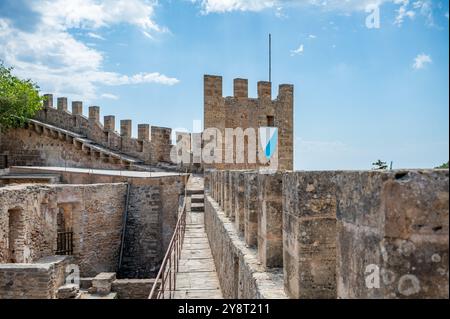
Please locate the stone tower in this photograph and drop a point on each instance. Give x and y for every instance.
(240, 111)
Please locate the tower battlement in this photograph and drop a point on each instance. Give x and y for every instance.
(213, 87)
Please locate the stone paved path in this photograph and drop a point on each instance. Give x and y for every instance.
(196, 277)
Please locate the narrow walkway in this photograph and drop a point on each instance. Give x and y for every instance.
(196, 277)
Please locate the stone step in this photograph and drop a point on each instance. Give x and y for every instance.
(86, 295)
(197, 207)
(31, 178)
(195, 191)
(198, 198)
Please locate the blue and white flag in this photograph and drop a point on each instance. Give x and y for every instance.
(268, 137)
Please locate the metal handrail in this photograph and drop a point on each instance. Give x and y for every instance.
(169, 266)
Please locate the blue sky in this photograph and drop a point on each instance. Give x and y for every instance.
(360, 93)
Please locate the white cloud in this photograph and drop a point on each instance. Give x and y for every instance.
(425, 8)
(406, 8)
(298, 51)
(312, 36)
(61, 64)
(94, 14)
(95, 36)
(279, 13)
(109, 96)
(220, 6)
(403, 12)
(421, 61)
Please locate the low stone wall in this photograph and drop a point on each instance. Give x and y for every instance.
(39, 280)
(132, 288)
(240, 274)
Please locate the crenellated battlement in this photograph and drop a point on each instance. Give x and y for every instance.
(241, 111)
(213, 87)
(152, 145)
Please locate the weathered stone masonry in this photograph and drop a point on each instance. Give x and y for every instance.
(336, 227)
(59, 138)
(30, 147)
(152, 215)
(39, 280)
(94, 212)
(152, 145)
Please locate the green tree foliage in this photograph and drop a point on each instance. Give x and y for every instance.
(443, 166)
(19, 99)
(379, 165)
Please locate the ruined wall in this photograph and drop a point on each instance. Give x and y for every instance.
(94, 212)
(368, 234)
(241, 111)
(39, 280)
(152, 214)
(97, 212)
(27, 223)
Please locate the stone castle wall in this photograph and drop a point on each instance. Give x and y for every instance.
(152, 145)
(240, 273)
(27, 147)
(368, 234)
(244, 112)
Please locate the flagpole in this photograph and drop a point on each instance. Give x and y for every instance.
(270, 57)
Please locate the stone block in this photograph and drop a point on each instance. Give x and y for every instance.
(125, 128)
(94, 113)
(240, 88)
(68, 291)
(77, 108)
(264, 90)
(48, 100)
(62, 104)
(109, 123)
(101, 284)
(270, 219)
(143, 132)
(251, 208)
